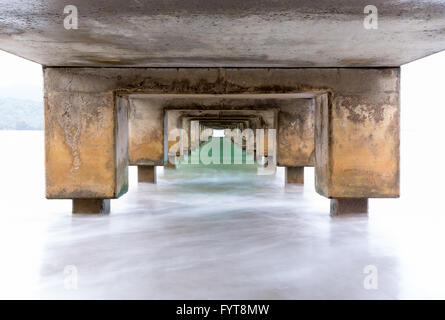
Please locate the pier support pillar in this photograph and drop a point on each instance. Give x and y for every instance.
(86, 141)
(348, 206)
(146, 174)
(294, 175)
(91, 206)
(357, 139)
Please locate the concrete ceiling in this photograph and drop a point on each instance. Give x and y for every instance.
(217, 33)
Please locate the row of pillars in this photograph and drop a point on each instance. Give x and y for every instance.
(293, 175)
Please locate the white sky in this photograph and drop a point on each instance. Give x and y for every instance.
(20, 78)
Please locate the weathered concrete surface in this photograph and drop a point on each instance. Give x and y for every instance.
(360, 150)
(257, 118)
(322, 169)
(215, 119)
(91, 206)
(296, 138)
(147, 174)
(241, 122)
(151, 119)
(252, 33)
(348, 206)
(294, 124)
(358, 139)
(294, 175)
(146, 132)
(237, 123)
(86, 143)
(121, 148)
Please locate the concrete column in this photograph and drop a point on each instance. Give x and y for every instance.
(348, 206)
(147, 174)
(86, 141)
(91, 206)
(294, 175)
(357, 140)
(146, 132)
(295, 134)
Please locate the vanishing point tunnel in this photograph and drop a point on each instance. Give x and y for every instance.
(292, 84)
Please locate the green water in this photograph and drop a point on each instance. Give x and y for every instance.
(227, 155)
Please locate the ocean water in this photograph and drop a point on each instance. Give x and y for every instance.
(216, 233)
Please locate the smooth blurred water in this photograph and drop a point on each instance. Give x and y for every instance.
(209, 233)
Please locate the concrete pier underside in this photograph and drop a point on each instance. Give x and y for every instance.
(141, 59)
(230, 33)
(346, 121)
(118, 89)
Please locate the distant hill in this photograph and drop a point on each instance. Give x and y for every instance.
(18, 114)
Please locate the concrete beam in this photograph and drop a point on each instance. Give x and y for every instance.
(248, 33)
